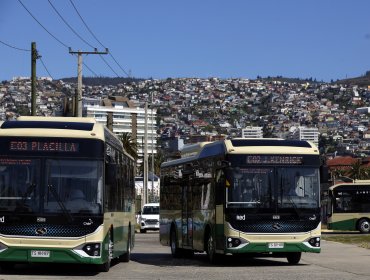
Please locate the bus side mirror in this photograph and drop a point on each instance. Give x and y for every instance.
(225, 164)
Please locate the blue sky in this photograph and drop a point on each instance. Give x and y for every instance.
(191, 38)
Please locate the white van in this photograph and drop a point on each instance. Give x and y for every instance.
(149, 217)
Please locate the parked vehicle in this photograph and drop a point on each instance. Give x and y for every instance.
(149, 217)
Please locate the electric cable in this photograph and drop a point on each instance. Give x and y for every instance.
(10, 46)
(87, 27)
(70, 27)
(42, 25)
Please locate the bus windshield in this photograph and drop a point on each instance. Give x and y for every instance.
(74, 184)
(69, 186)
(271, 187)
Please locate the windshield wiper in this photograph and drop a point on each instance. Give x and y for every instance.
(289, 199)
(294, 206)
(25, 196)
(60, 202)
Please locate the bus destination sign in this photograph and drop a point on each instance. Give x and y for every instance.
(44, 146)
(274, 159)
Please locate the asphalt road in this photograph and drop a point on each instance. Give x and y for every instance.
(150, 260)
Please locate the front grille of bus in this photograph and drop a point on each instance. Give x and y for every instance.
(48, 229)
(274, 226)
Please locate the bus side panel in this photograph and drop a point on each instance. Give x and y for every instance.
(167, 219)
(121, 222)
(343, 221)
(220, 227)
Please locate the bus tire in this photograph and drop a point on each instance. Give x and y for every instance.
(213, 257)
(175, 250)
(294, 258)
(125, 257)
(364, 225)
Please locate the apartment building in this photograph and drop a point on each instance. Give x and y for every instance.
(252, 132)
(306, 133)
(126, 118)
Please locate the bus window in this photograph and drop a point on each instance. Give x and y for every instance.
(67, 178)
(250, 187)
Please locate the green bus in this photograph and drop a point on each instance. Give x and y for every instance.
(66, 193)
(348, 206)
(244, 197)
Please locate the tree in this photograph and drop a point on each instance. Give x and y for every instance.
(356, 171)
(158, 159)
(129, 144)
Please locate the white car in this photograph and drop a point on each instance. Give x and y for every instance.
(149, 217)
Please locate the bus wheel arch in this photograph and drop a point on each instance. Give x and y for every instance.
(210, 246)
(363, 225)
(125, 257)
(106, 266)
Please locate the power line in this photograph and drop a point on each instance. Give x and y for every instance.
(86, 24)
(65, 45)
(109, 66)
(88, 68)
(10, 46)
(87, 27)
(70, 27)
(42, 62)
(42, 25)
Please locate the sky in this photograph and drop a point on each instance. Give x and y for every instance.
(320, 39)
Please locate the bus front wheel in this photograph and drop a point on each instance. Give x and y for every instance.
(213, 257)
(364, 226)
(294, 258)
(125, 257)
(175, 250)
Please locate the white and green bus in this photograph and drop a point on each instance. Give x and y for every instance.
(66, 193)
(245, 197)
(348, 206)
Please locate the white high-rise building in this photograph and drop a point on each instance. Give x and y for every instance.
(306, 133)
(252, 132)
(127, 118)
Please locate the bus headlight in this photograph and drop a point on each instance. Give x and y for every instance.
(92, 249)
(234, 242)
(314, 242)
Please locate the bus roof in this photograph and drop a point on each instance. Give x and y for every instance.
(245, 146)
(61, 127)
(350, 184)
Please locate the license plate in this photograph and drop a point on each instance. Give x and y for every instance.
(276, 245)
(40, 254)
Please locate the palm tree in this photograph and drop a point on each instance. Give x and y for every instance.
(158, 159)
(356, 170)
(129, 144)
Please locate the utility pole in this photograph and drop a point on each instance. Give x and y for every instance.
(145, 185)
(34, 57)
(78, 96)
(152, 136)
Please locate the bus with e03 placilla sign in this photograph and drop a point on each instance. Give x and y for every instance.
(255, 197)
(348, 206)
(66, 193)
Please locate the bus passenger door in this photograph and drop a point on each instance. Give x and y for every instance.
(187, 211)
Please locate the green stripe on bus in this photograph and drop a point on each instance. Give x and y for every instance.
(263, 248)
(349, 224)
